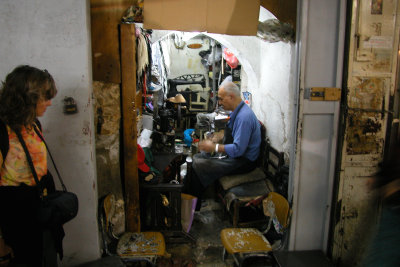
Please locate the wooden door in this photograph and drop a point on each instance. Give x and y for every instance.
(371, 74)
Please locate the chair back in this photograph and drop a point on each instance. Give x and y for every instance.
(278, 206)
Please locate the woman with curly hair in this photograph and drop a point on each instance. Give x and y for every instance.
(24, 96)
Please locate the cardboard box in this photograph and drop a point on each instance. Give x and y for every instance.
(233, 17)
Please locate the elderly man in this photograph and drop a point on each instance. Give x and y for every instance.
(241, 143)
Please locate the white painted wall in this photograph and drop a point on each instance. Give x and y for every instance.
(275, 95)
(55, 35)
(186, 60)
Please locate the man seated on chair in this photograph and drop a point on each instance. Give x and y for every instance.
(241, 144)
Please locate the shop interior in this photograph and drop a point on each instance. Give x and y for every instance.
(174, 102)
(177, 107)
(182, 96)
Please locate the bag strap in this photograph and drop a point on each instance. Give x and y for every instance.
(4, 140)
(51, 157)
(28, 157)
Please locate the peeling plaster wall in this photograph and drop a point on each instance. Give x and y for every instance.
(107, 124)
(54, 35)
(276, 89)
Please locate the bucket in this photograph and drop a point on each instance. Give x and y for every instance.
(147, 122)
(188, 206)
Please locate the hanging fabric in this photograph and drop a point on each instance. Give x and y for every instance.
(142, 55)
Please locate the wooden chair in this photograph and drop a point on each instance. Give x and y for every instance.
(237, 190)
(245, 243)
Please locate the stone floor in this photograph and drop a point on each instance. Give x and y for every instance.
(206, 227)
(206, 250)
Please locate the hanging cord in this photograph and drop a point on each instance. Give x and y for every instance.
(51, 157)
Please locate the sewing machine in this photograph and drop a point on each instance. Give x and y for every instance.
(194, 90)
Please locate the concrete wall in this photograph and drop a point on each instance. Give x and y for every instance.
(55, 35)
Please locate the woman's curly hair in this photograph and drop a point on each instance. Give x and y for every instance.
(20, 93)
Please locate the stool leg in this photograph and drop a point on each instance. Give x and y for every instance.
(224, 254)
(235, 213)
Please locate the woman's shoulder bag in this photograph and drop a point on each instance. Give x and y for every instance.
(56, 207)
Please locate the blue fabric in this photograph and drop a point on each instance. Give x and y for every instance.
(187, 137)
(246, 133)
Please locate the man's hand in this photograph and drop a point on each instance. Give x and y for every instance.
(207, 146)
(217, 136)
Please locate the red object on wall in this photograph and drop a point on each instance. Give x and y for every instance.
(230, 58)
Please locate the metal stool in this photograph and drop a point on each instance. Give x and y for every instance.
(245, 243)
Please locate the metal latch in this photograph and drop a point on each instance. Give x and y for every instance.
(323, 94)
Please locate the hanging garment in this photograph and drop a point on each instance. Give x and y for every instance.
(142, 55)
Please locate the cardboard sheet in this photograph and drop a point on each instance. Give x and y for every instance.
(233, 17)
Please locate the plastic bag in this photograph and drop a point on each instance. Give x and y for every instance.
(188, 206)
(188, 137)
(230, 58)
(144, 139)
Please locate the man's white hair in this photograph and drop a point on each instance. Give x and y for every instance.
(230, 87)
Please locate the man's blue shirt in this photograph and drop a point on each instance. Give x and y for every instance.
(246, 133)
